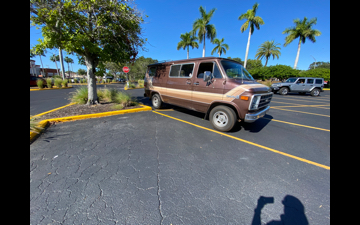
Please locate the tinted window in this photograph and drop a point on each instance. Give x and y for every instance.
(175, 70)
(152, 71)
(310, 81)
(217, 73)
(186, 70)
(318, 81)
(300, 81)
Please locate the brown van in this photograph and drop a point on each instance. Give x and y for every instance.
(219, 87)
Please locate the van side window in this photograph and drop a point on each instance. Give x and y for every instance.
(183, 70)
(152, 71)
(217, 73)
(310, 81)
(318, 81)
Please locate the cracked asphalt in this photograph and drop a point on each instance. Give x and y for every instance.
(145, 168)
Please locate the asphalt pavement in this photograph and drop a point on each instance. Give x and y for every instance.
(170, 167)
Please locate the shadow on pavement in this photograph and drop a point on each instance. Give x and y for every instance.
(294, 211)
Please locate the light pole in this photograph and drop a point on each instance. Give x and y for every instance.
(315, 61)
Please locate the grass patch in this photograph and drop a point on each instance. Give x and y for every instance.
(58, 82)
(106, 94)
(64, 83)
(40, 83)
(34, 126)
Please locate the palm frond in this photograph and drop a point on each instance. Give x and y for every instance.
(244, 27)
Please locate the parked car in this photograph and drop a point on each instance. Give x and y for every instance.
(301, 85)
(219, 87)
(34, 79)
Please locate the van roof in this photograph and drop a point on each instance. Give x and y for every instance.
(190, 60)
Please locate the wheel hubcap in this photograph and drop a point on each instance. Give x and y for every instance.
(220, 119)
(155, 101)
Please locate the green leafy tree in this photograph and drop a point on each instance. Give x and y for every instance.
(268, 49)
(202, 27)
(237, 60)
(279, 71)
(252, 21)
(302, 30)
(318, 72)
(81, 72)
(220, 47)
(325, 65)
(253, 64)
(187, 40)
(98, 31)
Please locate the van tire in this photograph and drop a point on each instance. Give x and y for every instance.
(222, 118)
(156, 101)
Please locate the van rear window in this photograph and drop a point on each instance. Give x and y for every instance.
(183, 70)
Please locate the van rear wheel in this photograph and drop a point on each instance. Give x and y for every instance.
(156, 101)
(222, 118)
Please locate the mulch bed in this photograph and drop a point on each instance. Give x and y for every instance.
(75, 110)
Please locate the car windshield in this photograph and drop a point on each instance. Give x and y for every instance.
(291, 80)
(235, 70)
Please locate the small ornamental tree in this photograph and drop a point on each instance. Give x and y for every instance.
(97, 30)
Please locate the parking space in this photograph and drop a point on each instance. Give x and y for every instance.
(171, 167)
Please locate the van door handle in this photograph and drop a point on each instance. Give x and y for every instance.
(197, 83)
(188, 82)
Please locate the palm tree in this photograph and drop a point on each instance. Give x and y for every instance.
(267, 49)
(220, 47)
(303, 30)
(252, 21)
(55, 58)
(187, 40)
(203, 28)
(68, 60)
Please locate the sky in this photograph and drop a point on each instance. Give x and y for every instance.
(168, 19)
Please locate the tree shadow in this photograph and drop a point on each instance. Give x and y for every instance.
(294, 211)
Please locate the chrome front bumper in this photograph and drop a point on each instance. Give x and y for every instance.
(252, 117)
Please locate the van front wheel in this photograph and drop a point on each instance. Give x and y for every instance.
(222, 118)
(156, 101)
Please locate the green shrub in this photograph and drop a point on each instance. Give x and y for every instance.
(58, 82)
(64, 83)
(49, 82)
(132, 85)
(33, 126)
(40, 83)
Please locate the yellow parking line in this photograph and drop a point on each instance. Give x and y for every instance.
(288, 103)
(296, 124)
(299, 111)
(251, 143)
(294, 106)
(310, 99)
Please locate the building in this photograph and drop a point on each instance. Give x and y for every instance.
(37, 71)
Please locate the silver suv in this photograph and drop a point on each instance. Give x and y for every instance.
(301, 85)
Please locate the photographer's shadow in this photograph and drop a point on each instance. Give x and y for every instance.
(294, 211)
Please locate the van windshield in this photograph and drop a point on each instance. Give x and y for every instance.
(235, 70)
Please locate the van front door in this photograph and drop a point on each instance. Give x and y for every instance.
(206, 92)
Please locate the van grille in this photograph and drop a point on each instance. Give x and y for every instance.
(265, 100)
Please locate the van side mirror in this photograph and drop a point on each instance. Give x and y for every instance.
(207, 76)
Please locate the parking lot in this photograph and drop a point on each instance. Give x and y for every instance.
(170, 166)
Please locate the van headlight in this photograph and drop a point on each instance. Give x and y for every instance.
(255, 102)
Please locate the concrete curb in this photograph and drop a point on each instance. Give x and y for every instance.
(125, 88)
(45, 89)
(44, 123)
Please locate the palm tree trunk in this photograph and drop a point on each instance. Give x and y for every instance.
(267, 58)
(188, 52)
(247, 48)
(203, 55)
(42, 66)
(297, 56)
